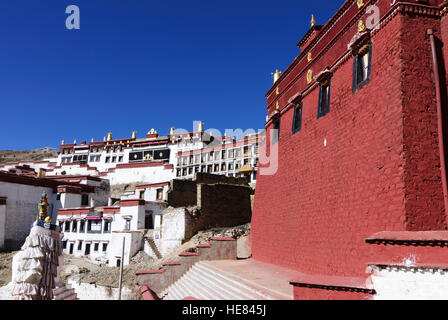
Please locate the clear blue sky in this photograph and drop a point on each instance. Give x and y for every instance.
(142, 64)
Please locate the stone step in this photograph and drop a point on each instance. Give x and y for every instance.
(182, 290)
(236, 290)
(207, 283)
(240, 289)
(61, 289)
(264, 292)
(66, 294)
(226, 290)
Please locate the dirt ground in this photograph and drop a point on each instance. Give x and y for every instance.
(6, 268)
(80, 269)
(32, 155)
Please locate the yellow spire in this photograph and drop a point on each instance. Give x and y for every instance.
(313, 21)
(276, 75)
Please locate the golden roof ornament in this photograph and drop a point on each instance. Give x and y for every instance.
(313, 21)
(360, 4)
(276, 75)
(43, 207)
(361, 26)
(134, 134)
(310, 56)
(309, 76)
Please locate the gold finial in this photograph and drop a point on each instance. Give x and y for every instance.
(360, 3)
(361, 26)
(277, 106)
(109, 136)
(201, 127)
(277, 92)
(172, 129)
(40, 174)
(313, 21)
(134, 134)
(276, 75)
(310, 56)
(309, 76)
(43, 205)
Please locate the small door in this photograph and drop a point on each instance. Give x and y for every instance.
(87, 249)
(72, 246)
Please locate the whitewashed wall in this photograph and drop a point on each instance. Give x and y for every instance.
(410, 283)
(22, 209)
(87, 291)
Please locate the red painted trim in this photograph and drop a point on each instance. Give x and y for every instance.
(142, 272)
(80, 178)
(40, 182)
(140, 164)
(155, 185)
(111, 210)
(132, 203)
(222, 239)
(409, 236)
(204, 245)
(172, 263)
(74, 211)
(188, 254)
(330, 282)
(148, 294)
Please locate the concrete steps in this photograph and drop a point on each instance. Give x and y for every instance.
(64, 292)
(159, 280)
(204, 282)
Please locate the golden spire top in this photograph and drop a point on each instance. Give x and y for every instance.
(276, 75)
(313, 21)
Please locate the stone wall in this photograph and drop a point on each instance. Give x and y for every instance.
(183, 193)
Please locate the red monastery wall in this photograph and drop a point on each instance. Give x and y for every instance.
(380, 169)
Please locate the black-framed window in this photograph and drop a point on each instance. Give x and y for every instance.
(82, 226)
(107, 226)
(84, 200)
(297, 120)
(276, 132)
(75, 226)
(362, 67)
(324, 98)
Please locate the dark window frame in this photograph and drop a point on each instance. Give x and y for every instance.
(357, 85)
(276, 125)
(326, 84)
(297, 107)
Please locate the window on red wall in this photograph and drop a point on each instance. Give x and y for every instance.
(276, 132)
(297, 120)
(362, 67)
(324, 99)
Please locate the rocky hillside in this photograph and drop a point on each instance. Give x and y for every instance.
(33, 155)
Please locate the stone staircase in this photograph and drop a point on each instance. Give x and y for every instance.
(64, 292)
(159, 280)
(205, 282)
